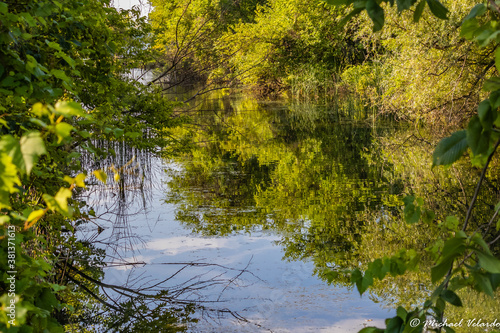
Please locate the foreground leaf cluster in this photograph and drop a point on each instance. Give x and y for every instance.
(65, 85)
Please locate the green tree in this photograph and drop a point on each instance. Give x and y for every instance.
(292, 44)
(188, 38)
(270, 45)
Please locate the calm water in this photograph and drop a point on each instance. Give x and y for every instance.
(270, 197)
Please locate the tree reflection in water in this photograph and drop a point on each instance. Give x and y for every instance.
(130, 300)
(328, 180)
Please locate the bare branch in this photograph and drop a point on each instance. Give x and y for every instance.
(478, 187)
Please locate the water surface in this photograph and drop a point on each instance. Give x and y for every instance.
(270, 198)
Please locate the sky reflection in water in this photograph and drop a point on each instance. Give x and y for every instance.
(275, 295)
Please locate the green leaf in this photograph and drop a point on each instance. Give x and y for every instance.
(47, 300)
(495, 101)
(451, 223)
(118, 132)
(376, 13)
(68, 109)
(412, 214)
(408, 200)
(133, 135)
(11, 147)
(38, 122)
(477, 139)
(479, 160)
(378, 269)
(488, 262)
(418, 11)
(361, 4)
(84, 134)
(9, 82)
(8, 179)
(404, 4)
(63, 131)
(32, 147)
(486, 36)
(440, 304)
(450, 149)
(58, 4)
(53, 45)
(486, 114)
(57, 287)
(428, 216)
(454, 247)
(60, 74)
(401, 312)
(26, 36)
(480, 241)
(483, 283)
(362, 282)
(394, 325)
(3, 8)
(331, 276)
(450, 297)
(67, 58)
(477, 10)
(29, 19)
(438, 9)
(31, 65)
(366, 282)
(492, 84)
(495, 281)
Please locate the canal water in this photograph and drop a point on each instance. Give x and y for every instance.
(265, 200)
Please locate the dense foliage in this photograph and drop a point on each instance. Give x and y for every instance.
(188, 38)
(65, 85)
(427, 70)
(269, 45)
